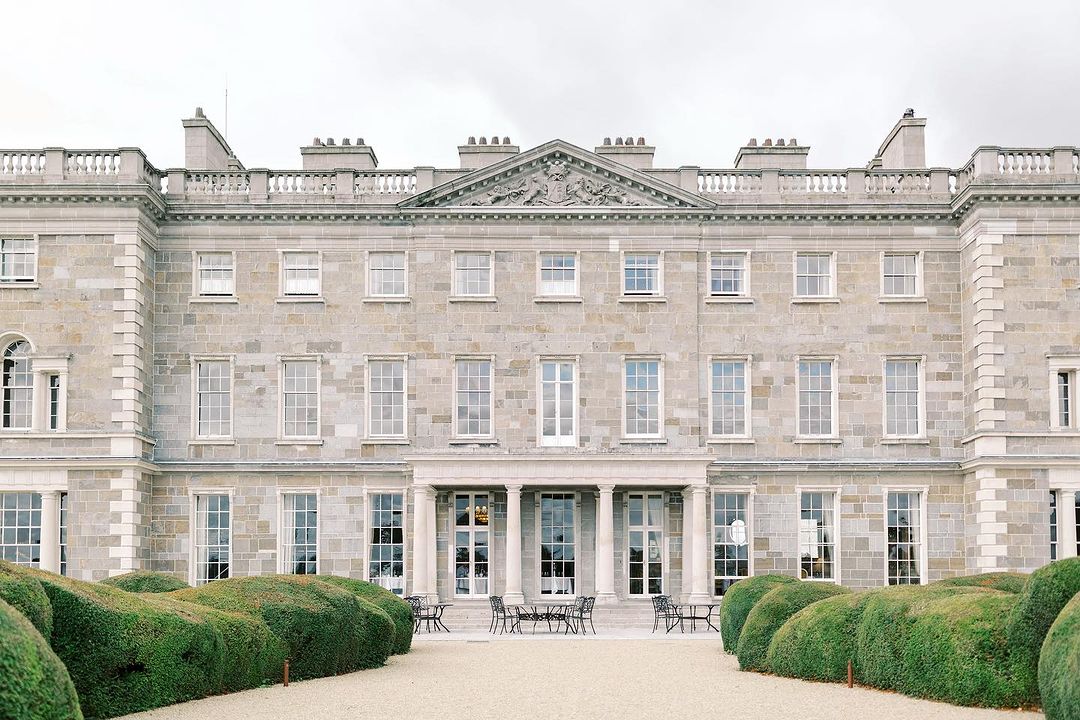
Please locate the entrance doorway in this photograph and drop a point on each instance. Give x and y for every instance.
(472, 545)
(645, 536)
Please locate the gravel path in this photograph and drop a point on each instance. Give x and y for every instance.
(546, 679)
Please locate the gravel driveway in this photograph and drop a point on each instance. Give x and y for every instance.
(565, 678)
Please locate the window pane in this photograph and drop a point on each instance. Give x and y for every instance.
(729, 397)
(387, 273)
(900, 274)
(558, 274)
(557, 402)
(731, 540)
(386, 398)
(817, 542)
(386, 552)
(558, 573)
(473, 397)
(472, 273)
(301, 273)
(642, 397)
(301, 398)
(215, 274)
(20, 528)
(813, 275)
(1065, 399)
(904, 537)
(300, 547)
(17, 259)
(640, 274)
(727, 275)
(815, 397)
(213, 526)
(902, 397)
(213, 397)
(18, 382)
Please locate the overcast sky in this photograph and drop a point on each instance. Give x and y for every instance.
(414, 79)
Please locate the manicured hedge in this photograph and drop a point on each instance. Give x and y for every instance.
(772, 611)
(398, 610)
(142, 581)
(34, 685)
(1059, 665)
(739, 599)
(1010, 582)
(26, 595)
(817, 642)
(328, 630)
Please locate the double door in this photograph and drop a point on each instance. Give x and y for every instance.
(645, 541)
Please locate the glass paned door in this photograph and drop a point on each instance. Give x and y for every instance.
(645, 532)
(558, 547)
(471, 544)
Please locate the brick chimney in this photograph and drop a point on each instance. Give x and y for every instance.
(633, 154)
(905, 146)
(329, 155)
(204, 147)
(769, 155)
(475, 154)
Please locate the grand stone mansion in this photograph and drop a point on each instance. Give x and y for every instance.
(549, 372)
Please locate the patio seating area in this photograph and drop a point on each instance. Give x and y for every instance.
(674, 615)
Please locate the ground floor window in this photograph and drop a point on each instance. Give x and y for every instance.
(386, 552)
(1053, 526)
(731, 539)
(903, 528)
(558, 569)
(817, 536)
(1076, 519)
(213, 537)
(471, 544)
(20, 528)
(63, 533)
(645, 532)
(300, 539)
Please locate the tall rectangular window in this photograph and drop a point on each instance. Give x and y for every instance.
(216, 276)
(1053, 526)
(63, 533)
(386, 275)
(472, 544)
(54, 402)
(727, 274)
(18, 387)
(729, 397)
(301, 275)
(213, 399)
(903, 534)
(473, 394)
(20, 528)
(558, 547)
(816, 398)
(1065, 399)
(817, 536)
(902, 413)
(558, 274)
(472, 274)
(641, 274)
(386, 398)
(900, 275)
(814, 275)
(18, 260)
(300, 399)
(300, 536)
(1076, 519)
(213, 537)
(386, 551)
(557, 403)
(642, 398)
(731, 540)
(645, 546)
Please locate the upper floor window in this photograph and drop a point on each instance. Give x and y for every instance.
(814, 275)
(903, 398)
(300, 398)
(213, 399)
(18, 381)
(386, 274)
(817, 398)
(216, 274)
(558, 274)
(473, 398)
(900, 276)
(301, 274)
(386, 398)
(642, 398)
(18, 260)
(727, 275)
(557, 411)
(1063, 392)
(472, 274)
(730, 401)
(641, 274)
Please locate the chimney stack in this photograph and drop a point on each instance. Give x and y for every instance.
(905, 147)
(635, 154)
(204, 147)
(780, 154)
(331, 156)
(476, 154)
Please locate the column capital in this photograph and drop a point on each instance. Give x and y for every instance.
(513, 488)
(606, 487)
(694, 490)
(423, 489)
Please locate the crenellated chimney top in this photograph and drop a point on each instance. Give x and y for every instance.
(329, 155)
(624, 150)
(478, 153)
(769, 155)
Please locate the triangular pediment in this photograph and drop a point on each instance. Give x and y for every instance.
(556, 175)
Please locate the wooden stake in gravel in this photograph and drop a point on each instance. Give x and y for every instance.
(850, 675)
(287, 673)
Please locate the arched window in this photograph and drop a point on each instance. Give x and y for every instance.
(18, 410)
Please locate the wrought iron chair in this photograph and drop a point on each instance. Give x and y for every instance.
(421, 612)
(664, 609)
(582, 611)
(500, 615)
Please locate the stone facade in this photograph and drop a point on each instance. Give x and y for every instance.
(114, 308)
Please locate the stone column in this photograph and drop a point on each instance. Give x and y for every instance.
(688, 544)
(50, 531)
(605, 546)
(432, 547)
(420, 539)
(699, 584)
(513, 594)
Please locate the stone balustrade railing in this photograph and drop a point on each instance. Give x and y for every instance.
(60, 165)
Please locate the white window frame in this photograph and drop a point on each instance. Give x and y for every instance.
(282, 254)
(556, 440)
(457, 434)
(23, 280)
(923, 492)
(193, 519)
(745, 255)
(471, 528)
(1071, 365)
(283, 563)
(747, 361)
(6, 341)
(835, 430)
(368, 527)
(370, 269)
(795, 274)
(299, 439)
(368, 406)
(658, 291)
(837, 523)
(454, 274)
(659, 434)
(211, 439)
(540, 273)
(30, 527)
(748, 490)
(196, 278)
(1065, 483)
(665, 566)
(920, 374)
(538, 538)
(919, 286)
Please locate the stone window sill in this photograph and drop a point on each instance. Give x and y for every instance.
(14, 433)
(729, 300)
(212, 441)
(905, 441)
(473, 441)
(214, 299)
(900, 300)
(643, 299)
(387, 299)
(558, 299)
(299, 441)
(385, 441)
(818, 441)
(815, 301)
(300, 299)
(472, 299)
(730, 441)
(7, 284)
(643, 441)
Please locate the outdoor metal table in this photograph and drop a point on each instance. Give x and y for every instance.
(555, 612)
(694, 613)
(433, 616)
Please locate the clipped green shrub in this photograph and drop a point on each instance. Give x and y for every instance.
(25, 594)
(817, 641)
(328, 630)
(142, 581)
(1059, 665)
(400, 612)
(772, 611)
(34, 685)
(1010, 582)
(1048, 590)
(739, 599)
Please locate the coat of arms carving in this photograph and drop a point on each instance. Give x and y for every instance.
(555, 186)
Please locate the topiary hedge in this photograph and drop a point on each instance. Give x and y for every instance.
(772, 611)
(400, 612)
(26, 595)
(34, 685)
(739, 600)
(1010, 582)
(328, 630)
(1059, 665)
(817, 641)
(142, 581)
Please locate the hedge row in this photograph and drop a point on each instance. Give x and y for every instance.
(400, 612)
(26, 595)
(1059, 665)
(34, 685)
(772, 611)
(739, 599)
(1010, 582)
(143, 581)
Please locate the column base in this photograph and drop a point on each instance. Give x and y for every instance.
(516, 598)
(606, 598)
